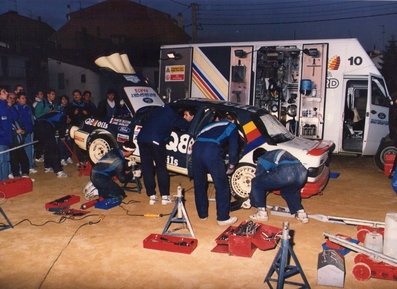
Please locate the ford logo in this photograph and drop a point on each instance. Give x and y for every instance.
(147, 100)
(124, 129)
(381, 115)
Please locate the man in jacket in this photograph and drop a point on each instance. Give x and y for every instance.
(113, 164)
(5, 135)
(208, 157)
(152, 140)
(277, 170)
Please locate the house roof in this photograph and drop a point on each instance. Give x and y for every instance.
(122, 21)
(24, 32)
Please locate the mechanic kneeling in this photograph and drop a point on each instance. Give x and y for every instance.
(113, 164)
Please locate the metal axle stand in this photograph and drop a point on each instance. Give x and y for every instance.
(178, 215)
(280, 264)
(5, 226)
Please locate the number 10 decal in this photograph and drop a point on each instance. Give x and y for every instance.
(357, 60)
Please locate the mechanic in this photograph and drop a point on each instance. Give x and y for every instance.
(113, 164)
(152, 140)
(207, 157)
(277, 170)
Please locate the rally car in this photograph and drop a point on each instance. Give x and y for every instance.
(257, 128)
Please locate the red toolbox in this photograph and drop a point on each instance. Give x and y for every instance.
(63, 202)
(234, 242)
(14, 187)
(170, 243)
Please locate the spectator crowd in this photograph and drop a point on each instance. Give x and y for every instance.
(36, 130)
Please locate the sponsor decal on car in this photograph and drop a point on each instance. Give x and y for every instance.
(122, 137)
(124, 129)
(96, 123)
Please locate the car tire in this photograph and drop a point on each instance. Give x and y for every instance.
(99, 146)
(240, 181)
(386, 146)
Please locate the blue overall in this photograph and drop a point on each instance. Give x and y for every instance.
(278, 170)
(208, 157)
(111, 164)
(152, 140)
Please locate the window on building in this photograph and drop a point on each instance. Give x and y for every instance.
(82, 78)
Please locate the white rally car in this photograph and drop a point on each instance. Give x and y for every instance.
(257, 128)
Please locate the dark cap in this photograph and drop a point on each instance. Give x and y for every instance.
(128, 146)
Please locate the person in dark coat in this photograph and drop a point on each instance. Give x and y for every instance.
(152, 140)
(113, 164)
(109, 107)
(5, 135)
(49, 127)
(26, 120)
(208, 157)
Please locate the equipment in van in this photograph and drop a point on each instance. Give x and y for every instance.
(323, 78)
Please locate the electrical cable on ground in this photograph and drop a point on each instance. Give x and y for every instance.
(67, 244)
(127, 212)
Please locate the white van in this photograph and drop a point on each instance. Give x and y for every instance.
(319, 89)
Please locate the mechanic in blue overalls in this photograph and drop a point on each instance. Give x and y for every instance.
(152, 140)
(208, 157)
(277, 170)
(113, 164)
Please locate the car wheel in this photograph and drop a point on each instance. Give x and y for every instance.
(98, 147)
(386, 146)
(240, 181)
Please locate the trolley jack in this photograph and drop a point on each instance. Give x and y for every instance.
(280, 264)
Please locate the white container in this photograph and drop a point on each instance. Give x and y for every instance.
(390, 237)
(374, 241)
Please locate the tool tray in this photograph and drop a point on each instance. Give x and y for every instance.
(264, 238)
(170, 243)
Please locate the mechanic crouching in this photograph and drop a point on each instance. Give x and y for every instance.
(208, 157)
(110, 165)
(277, 170)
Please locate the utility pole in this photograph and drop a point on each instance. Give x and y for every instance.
(194, 7)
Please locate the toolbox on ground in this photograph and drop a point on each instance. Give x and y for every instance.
(170, 243)
(244, 239)
(14, 187)
(64, 202)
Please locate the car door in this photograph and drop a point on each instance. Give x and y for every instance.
(203, 116)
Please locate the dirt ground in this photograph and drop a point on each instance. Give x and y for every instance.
(82, 253)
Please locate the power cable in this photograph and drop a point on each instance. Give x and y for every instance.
(299, 22)
(64, 248)
(322, 12)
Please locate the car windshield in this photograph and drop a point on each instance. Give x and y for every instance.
(275, 129)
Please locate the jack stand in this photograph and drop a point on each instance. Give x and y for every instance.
(5, 226)
(280, 264)
(178, 215)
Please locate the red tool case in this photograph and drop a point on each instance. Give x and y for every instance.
(265, 238)
(14, 187)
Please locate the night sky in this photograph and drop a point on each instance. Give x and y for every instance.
(372, 22)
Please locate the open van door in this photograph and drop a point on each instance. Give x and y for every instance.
(377, 115)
